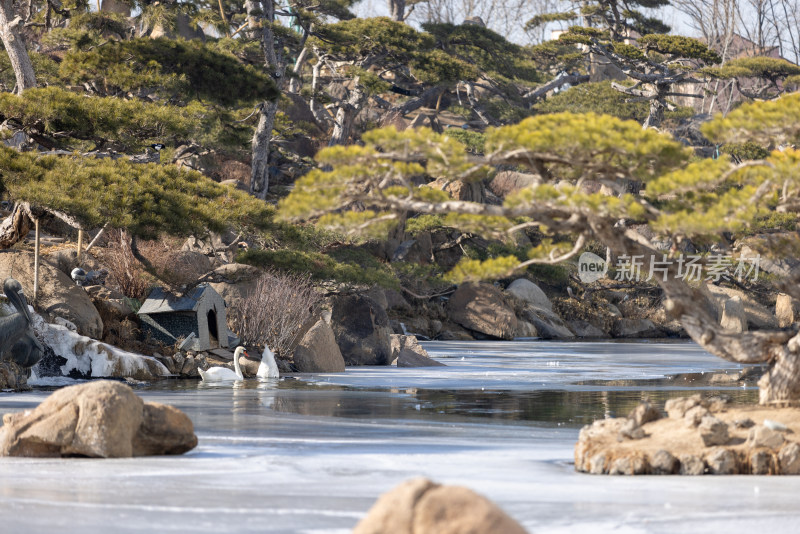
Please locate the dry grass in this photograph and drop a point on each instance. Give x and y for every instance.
(275, 311)
(125, 272)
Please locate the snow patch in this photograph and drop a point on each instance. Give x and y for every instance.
(90, 357)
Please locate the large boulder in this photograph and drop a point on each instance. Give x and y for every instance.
(636, 328)
(482, 308)
(362, 330)
(318, 352)
(787, 310)
(757, 315)
(419, 506)
(407, 352)
(733, 316)
(84, 357)
(459, 190)
(58, 295)
(99, 419)
(235, 281)
(528, 292)
(507, 182)
(548, 325)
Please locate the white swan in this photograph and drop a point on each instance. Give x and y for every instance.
(268, 368)
(223, 374)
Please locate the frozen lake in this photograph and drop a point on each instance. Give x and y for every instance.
(311, 454)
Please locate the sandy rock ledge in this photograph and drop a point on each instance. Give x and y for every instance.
(698, 436)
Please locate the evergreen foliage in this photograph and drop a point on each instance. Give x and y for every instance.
(177, 69)
(145, 199)
(684, 196)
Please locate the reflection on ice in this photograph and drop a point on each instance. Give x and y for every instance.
(312, 454)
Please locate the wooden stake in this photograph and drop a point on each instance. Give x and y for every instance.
(80, 245)
(36, 264)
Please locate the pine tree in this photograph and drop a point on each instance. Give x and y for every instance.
(370, 188)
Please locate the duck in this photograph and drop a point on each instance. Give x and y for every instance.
(268, 368)
(223, 374)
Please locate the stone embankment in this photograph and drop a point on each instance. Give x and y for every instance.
(697, 436)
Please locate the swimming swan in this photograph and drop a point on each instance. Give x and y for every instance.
(268, 368)
(223, 374)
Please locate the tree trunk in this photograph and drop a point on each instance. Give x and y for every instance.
(656, 114)
(259, 176)
(397, 9)
(16, 226)
(253, 10)
(275, 63)
(346, 115)
(15, 47)
(294, 84)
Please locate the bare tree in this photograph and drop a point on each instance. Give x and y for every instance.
(275, 311)
(715, 21)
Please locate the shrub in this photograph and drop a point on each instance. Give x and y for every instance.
(274, 313)
(125, 272)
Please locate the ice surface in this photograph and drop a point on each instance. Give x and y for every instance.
(306, 456)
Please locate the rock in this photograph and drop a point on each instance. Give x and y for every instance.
(785, 266)
(762, 436)
(644, 413)
(361, 328)
(597, 465)
(239, 281)
(407, 352)
(761, 462)
(663, 463)
(636, 328)
(628, 465)
(190, 366)
(525, 330)
(506, 182)
(630, 430)
(481, 307)
(721, 461)
(677, 408)
(419, 506)
(789, 459)
(164, 430)
(459, 190)
(12, 376)
(58, 294)
(713, 431)
(318, 352)
(733, 316)
(396, 301)
(787, 310)
(584, 329)
(99, 419)
(758, 316)
(692, 465)
(743, 423)
(548, 324)
(528, 292)
(695, 414)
